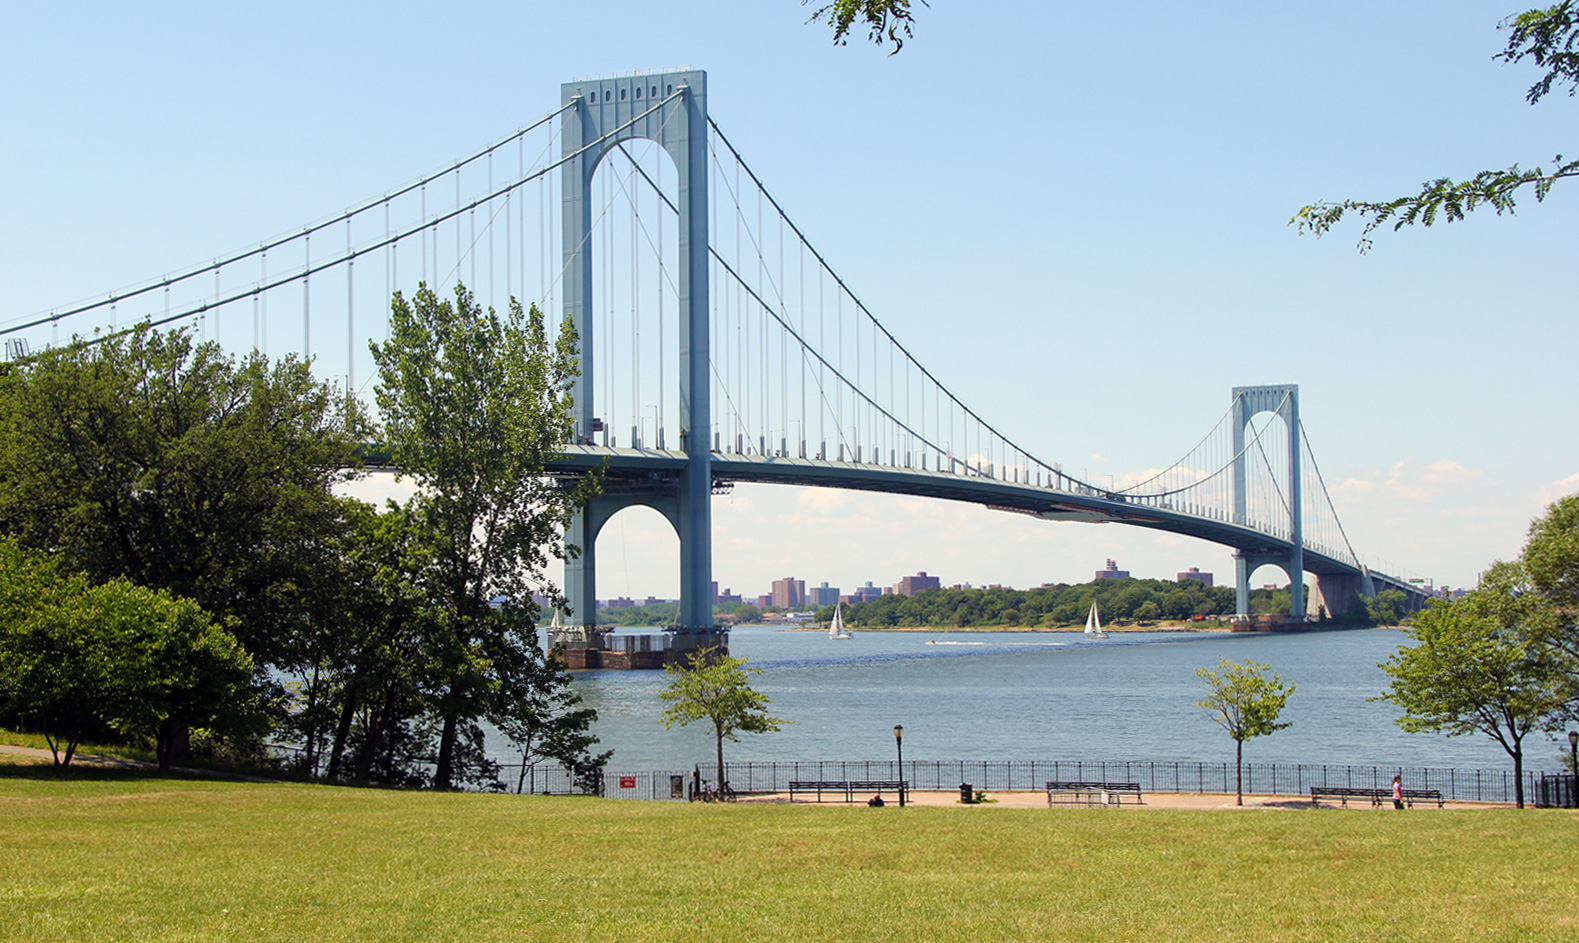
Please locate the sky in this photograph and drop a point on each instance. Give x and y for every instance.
(1075, 215)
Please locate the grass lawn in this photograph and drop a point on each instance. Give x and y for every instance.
(115, 855)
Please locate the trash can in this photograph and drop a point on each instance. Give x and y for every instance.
(967, 793)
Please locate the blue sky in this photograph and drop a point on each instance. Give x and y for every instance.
(1075, 215)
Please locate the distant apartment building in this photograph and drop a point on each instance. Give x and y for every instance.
(1194, 573)
(910, 585)
(823, 595)
(726, 598)
(622, 602)
(1112, 572)
(764, 601)
(789, 593)
(866, 593)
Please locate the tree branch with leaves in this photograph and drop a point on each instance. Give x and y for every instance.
(1549, 36)
(884, 20)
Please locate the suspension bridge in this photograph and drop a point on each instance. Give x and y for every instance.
(717, 345)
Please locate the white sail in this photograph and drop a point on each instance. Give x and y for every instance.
(836, 629)
(1094, 623)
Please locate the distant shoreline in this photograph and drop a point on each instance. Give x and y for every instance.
(1028, 629)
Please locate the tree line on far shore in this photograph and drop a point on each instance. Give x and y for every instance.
(1065, 604)
(1054, 606)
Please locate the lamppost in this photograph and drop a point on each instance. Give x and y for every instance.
(899, 744)
(1573, 748)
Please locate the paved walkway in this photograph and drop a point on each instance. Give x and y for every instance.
(1149, 800)
(86, 759)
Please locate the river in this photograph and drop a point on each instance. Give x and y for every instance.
(1041, 696)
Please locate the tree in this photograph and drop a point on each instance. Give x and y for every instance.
(884, 19)
(1551, 563)
(51, 671)
(1388, 607)
(715, 687)
(149, 457)
(77, 657)
(1242, 700)
(474, 409)
(173, 667)
(541, 717)
(1474, 668)
(1550, 36)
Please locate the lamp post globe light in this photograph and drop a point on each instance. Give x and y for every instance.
(1573, 753)
(899, 744)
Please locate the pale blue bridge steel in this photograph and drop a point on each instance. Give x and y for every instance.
(678, 482)
(1253, 488)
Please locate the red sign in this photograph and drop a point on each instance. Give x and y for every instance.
(627, 782)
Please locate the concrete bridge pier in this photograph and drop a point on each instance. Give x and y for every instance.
(1292, 564)
(1335, 595)
(585, 644)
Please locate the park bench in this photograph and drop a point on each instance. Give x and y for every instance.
(1377, 796)
(1083, 792)
(850, 787)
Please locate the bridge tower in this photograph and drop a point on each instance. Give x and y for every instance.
(670, 109)
(1249, 402)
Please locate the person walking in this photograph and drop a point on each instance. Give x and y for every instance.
(1398, 791)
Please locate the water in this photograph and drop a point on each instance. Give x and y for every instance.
(1043, 696)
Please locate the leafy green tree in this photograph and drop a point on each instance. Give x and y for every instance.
(1551, 563)
(474, 408)
(173, 667)
(76, 657)
(716, 687)
(1549, 36)
(1474, 668)
(52, 665)
(541, 715)
(884, 19)
(149, 457)
(747, 614)
(1242, 700)
(1388, 607)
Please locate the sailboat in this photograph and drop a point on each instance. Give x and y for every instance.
(836, 629)
(1094, 623)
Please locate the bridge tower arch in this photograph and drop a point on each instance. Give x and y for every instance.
(1283, 401)
(670, 109)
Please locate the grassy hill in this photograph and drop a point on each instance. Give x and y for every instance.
(112, 855)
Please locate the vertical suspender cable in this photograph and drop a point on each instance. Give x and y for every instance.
(350, 317)
(307, 347)
(635, 299)
(663, 391)
(489, 224)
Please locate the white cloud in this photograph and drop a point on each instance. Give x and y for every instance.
(1561, 488)
(1419, 482)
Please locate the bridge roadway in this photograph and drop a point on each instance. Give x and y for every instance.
(632, 469)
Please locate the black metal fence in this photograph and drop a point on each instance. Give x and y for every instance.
(1557, 791)
(1465, 785)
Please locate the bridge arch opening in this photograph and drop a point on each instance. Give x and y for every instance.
(638, 550)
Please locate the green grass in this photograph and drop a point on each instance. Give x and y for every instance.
(113, 855)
